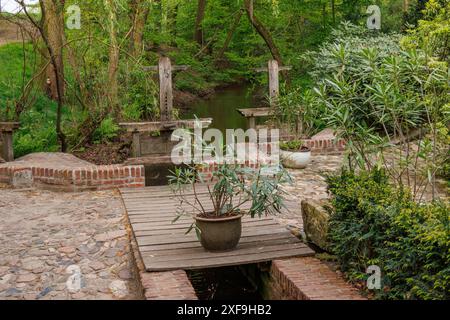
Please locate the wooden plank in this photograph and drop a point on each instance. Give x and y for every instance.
(181, 232)
(265, 69)
(196, 244)
(255, 112)
(191, 238)
(163, 126)
(166, 246)
(136, 200)
(149, 226)
(241, 249)
(149, 191)
(225, 261)
(159, 206)
(168, 219)
(174, 68)
(163, 237)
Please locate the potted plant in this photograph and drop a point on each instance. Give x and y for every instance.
(294, 154)
(217, 212)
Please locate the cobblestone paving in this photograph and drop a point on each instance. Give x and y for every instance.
(52, 244)
(308, 183)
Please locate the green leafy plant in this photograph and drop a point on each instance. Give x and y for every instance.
(234, 188)
(107, 131)
(387, 104)
(374, 223)
(292, 145)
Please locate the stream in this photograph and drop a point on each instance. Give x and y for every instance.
(222, 107)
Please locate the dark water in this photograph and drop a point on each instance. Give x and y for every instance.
(225, 283)
(222, 107)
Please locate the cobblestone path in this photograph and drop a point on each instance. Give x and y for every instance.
(64, 246)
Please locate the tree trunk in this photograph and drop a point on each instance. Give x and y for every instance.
(140, 15)
(230, 35)
(198, 31)
(172, 20)
(112, 92)
(405, 5)
(333, 10)
(53, 27)
(72, 58)
(324, 14)
(263, 32)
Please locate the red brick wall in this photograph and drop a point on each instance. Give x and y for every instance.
(307, 278)
(325, 146)
(77, 179)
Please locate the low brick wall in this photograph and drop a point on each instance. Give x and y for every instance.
(306, 279)
(170, 285)
(73, 179)
(325, 146)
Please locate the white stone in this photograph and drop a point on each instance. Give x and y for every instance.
(119, 288)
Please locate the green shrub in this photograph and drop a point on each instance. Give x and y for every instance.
(293, 145)
(376, 224)
(107, 131)
(36, 134)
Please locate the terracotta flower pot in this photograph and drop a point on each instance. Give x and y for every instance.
(219, 234)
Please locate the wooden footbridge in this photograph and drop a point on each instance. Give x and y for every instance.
(164, 246)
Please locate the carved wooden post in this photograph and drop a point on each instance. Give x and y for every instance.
(165, 69)
(165, 89)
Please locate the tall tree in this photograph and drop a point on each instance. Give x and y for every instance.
(53, 27)
(198, 31)
(113, 67)
(229, 37)
(333, 10)
(263, 32)
(51, 30)
(140, 10)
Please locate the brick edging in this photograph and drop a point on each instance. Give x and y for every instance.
(325, 146)
(308, 278)
(74, 179)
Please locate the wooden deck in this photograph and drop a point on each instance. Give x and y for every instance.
(164, 245)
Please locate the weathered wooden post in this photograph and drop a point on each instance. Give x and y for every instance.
(165, 91)
(165, 69)
(273, 70)
(136, 147)
(274, 79)
(144, 143)
(6, 131)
